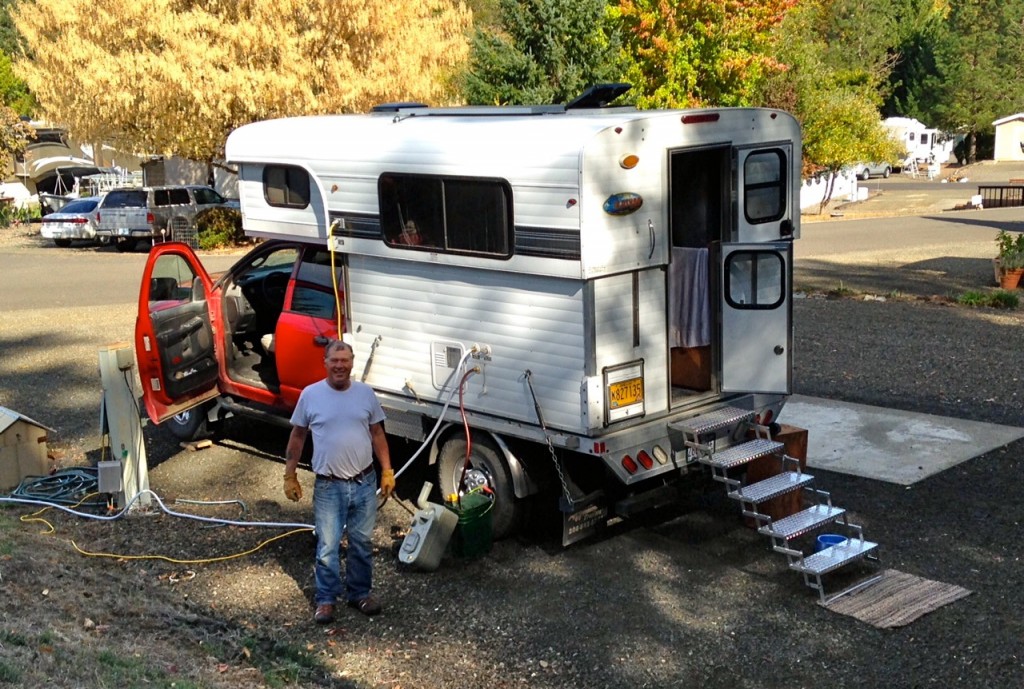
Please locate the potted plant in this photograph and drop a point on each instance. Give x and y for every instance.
(1010, 261)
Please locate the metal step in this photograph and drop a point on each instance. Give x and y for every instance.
(772, 487)
(714, 420)
(802, 523)
(741, 454)
(834, 557)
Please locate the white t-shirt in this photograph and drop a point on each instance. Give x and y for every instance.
(340, 421)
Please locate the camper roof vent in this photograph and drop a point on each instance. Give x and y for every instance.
(598, 96)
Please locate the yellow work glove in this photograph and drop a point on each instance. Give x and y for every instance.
(387, 482)
(292, 489)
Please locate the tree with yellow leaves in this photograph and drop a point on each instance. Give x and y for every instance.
(174, 77)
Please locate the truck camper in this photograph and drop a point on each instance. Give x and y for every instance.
(569, 300)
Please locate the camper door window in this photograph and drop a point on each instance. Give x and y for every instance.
(754, 280)
(286, 186)
(447, 214)
(764, 186)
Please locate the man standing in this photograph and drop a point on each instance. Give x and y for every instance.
(348, 429)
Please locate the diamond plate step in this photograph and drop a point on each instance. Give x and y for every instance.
(741, 454)
(773, 487)
(715, 420)
(803, 522)
(834, 557)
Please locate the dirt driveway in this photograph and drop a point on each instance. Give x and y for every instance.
(685, 597)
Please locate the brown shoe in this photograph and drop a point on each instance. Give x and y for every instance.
(369, 606)
(324, 614)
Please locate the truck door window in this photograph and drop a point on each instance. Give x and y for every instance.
(170, 282)
(314, 289)
(754, 280)
(764, 186)
(447, 214)
(286, 186)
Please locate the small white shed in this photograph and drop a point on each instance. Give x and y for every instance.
(22, 448)
(1009, 138)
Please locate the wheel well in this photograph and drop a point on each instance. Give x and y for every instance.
(522, 484)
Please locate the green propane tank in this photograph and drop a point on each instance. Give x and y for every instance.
(473, 534)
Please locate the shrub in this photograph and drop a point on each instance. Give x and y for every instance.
(997, 299)
(218, 228)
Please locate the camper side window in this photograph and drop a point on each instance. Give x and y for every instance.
(446, 214)
(286, 186)
(754, 280)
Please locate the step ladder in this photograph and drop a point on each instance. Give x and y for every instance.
(731, 428)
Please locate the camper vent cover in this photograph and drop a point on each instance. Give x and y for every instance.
(444, 360)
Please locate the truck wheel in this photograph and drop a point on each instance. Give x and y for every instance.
(886, 172)
(62, 243)
(191, 424)
(102, 240)
(124, 245)
(486, 467)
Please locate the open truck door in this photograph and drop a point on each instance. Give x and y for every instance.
(174, 338)
(757, 317)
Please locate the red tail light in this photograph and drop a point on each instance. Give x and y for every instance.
(97, 217)
(150, 218)
(645, 459)
(629, 465)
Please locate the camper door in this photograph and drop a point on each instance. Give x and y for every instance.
(756, 317)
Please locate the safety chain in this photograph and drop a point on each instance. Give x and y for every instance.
(547, 437)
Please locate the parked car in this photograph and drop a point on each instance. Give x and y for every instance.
(76, 220)
(128, 215)
(866, 171)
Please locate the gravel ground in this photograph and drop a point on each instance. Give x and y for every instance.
(685, 597)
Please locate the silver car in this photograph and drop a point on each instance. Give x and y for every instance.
(76, 220)
(866, 171)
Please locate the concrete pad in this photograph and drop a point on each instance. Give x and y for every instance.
(888, 444)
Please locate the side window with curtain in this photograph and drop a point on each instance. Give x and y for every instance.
(447, 214)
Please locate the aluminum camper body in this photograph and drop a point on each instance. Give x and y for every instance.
(604, 272)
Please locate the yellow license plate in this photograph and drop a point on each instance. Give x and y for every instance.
(626, 392)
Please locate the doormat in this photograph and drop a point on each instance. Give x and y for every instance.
(897, 599)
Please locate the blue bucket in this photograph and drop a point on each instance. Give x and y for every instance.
(827, 540)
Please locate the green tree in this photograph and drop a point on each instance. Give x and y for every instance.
(176, 76)
(541, 51)
(835, 101)
(690, 53)
(977, 59)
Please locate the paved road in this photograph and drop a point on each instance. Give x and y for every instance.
(46, 276)
(940, 253)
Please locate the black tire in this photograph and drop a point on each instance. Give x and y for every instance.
(124, 245)
(886, 172)
(865, 176)
(191, 424)
(102, 240)
(486, 464)
(62, 243)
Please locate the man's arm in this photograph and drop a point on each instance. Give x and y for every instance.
(293, 451)
(380, 445)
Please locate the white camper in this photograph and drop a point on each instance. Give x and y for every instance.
(564, 285)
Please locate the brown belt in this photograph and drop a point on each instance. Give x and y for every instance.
(358, 477)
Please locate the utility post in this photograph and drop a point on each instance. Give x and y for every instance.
(125, 474)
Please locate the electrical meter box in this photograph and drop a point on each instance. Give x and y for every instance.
(22, 448)
(431, 529)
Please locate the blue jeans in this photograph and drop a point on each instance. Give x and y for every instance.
(340, 506)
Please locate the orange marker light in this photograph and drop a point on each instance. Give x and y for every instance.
(629, 161)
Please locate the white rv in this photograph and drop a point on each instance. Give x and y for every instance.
(564, 285)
